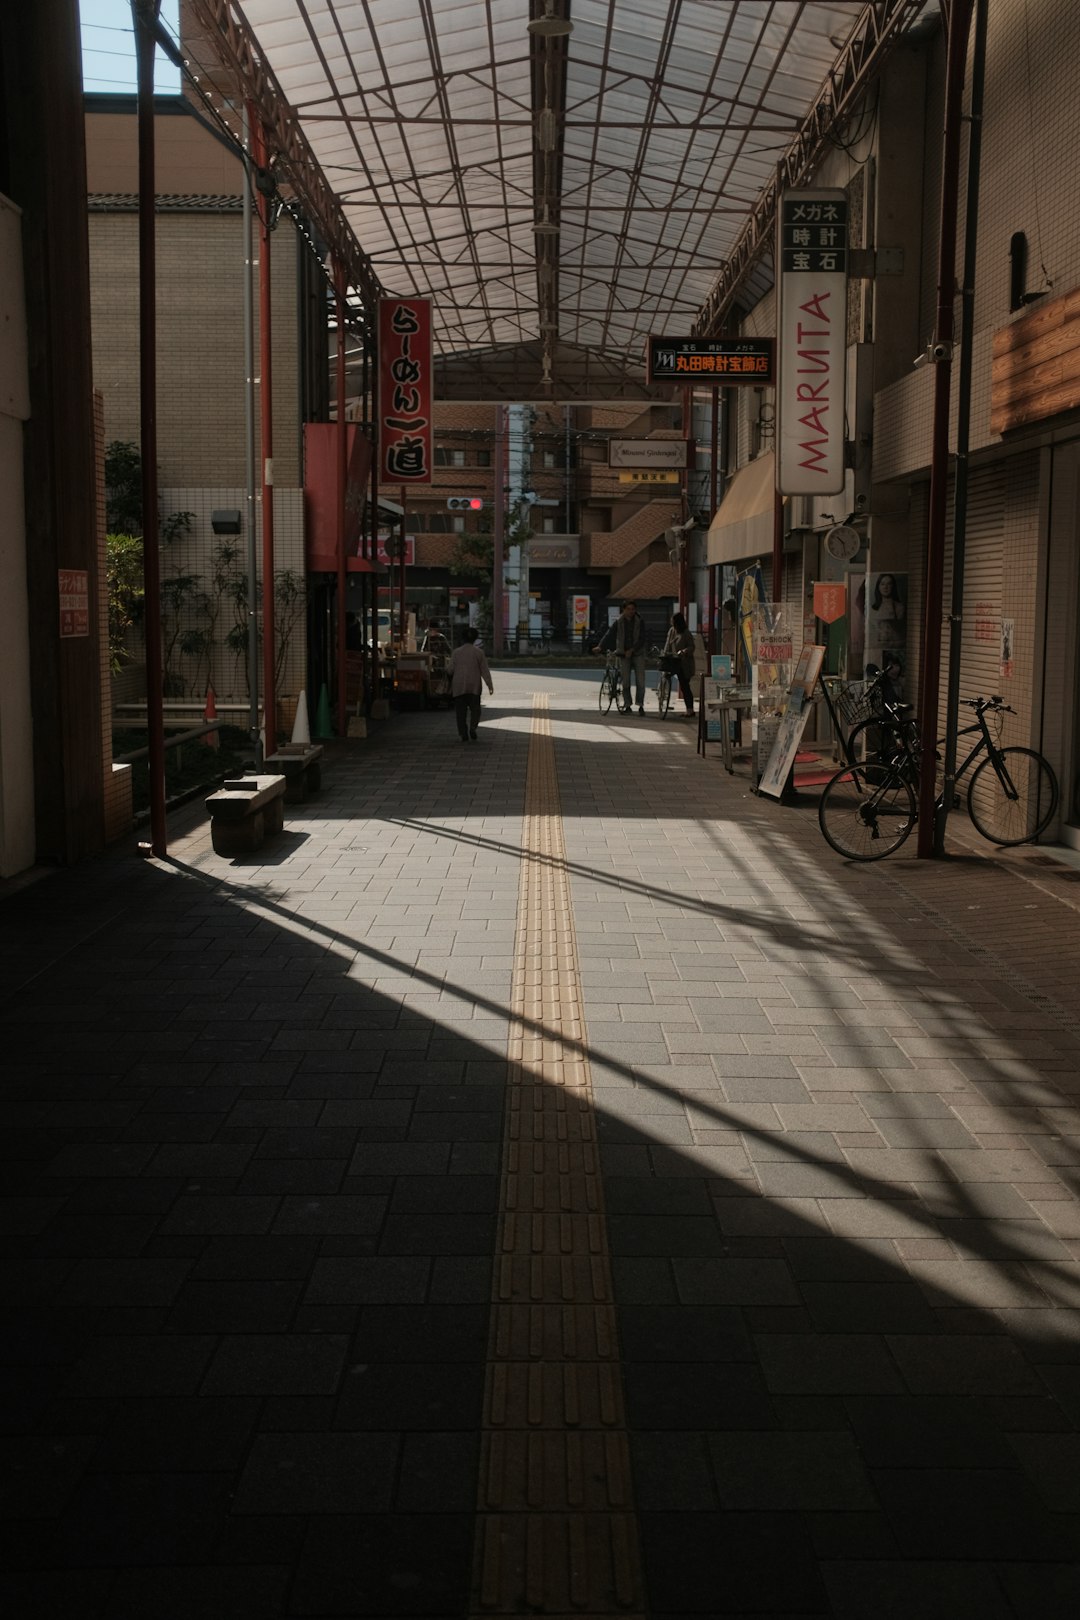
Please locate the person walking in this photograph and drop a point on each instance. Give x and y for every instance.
(468, 672)
(627, 637)
(679, 647)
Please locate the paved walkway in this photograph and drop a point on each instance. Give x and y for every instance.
(548, 1181)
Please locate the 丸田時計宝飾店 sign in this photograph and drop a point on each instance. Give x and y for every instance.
(722, 361)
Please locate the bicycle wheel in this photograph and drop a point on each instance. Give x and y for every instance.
(663, 692)
(606, 696)
(1013, 796)
(886, 745)
(865, 820)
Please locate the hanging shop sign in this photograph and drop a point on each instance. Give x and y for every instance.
(830, 601)
(653, 454)
(724, 361)
(74, 602)
(405, 390)
(813, 232)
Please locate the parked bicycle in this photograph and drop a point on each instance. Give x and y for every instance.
(869, 807)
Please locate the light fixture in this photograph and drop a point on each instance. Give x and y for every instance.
(545, 225)
(549, 26)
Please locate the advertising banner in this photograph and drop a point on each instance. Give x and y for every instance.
(321, 492)
(405, 390)
(830, 601)
(813, 235)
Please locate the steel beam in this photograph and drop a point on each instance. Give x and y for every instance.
(877, 30)
(294, 161)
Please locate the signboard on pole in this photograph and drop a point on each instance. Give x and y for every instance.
(723, 362)
(651, 453)
(406, 374)
(813, 232)
(388, 547)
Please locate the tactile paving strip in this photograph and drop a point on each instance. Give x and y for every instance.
(556, 1533)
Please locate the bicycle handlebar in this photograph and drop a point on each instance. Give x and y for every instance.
(982, 704)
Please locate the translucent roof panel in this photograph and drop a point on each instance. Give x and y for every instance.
(666, 118)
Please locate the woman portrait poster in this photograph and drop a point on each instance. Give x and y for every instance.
(886, 625)
(887, 610)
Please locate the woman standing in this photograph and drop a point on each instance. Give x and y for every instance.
(680, 647)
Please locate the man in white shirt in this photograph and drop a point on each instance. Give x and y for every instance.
(468, 671)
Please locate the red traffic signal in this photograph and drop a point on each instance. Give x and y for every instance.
(464, 503)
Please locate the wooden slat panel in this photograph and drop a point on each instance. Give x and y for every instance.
(1036, 407)
(1036, 365)
(1047, 318)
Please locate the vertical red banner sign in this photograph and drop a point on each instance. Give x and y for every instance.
(405, 390)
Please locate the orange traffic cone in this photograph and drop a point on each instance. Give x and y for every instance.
(211, 738)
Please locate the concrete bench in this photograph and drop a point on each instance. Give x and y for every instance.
(243, 811)
(299, 764)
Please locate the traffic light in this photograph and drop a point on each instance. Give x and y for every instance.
(464, 503)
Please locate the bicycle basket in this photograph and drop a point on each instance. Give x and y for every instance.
(856, 702)
(670, 664)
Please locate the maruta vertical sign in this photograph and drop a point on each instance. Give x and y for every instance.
(813, 232)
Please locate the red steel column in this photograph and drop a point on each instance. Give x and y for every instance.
(498, 525)
(342, 493)
(958, 26)
(146, 14)
(266, 445)
(401, 575)
(684, 550)
(714, 500)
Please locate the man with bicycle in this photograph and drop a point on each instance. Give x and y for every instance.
(626, 638)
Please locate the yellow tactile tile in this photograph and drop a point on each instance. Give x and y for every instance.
(556, 1529)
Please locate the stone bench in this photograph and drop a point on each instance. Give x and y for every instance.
(244, 811)
(299, 764)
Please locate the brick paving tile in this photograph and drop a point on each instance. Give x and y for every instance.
(254, 1152)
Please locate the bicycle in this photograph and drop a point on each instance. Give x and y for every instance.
(663, 680)
(868, 809)
(610, 684)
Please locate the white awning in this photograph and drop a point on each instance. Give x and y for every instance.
(743, 525)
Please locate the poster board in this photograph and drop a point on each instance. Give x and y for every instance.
(719, 684)
(792, 722)
(772, 647)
